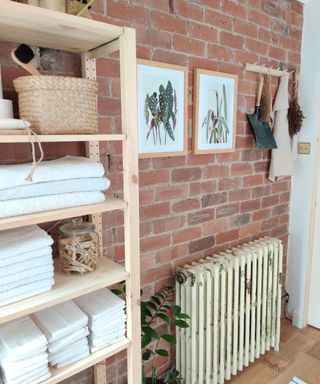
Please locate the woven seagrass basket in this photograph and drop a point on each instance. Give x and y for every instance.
(58, 105)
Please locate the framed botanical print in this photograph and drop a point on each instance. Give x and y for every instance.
(215, 112)
(162, 109)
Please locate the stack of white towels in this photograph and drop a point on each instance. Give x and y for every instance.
(23, 356)
(107, 319)
(65, 182)
(26, 264)
(66, 329)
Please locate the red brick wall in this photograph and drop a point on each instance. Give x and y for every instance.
(191, 205)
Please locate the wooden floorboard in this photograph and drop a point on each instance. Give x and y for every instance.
(299, 356)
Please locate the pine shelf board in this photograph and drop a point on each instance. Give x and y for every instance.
(24, 138)
(110, 204)
(21, 23)
(66, 288)
(63, 373)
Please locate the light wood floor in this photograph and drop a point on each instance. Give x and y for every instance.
(299, 356)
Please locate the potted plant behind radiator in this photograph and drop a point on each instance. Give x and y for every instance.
(158, 317)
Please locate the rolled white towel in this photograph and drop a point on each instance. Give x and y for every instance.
(21, 240)
(60, 320)
(69, 167)
(28, 205)
(55, 187)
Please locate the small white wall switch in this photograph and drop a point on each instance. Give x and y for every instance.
(304, 148)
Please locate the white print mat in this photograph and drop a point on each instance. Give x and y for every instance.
(296, 380)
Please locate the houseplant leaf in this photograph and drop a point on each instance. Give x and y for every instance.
(162, 352)
(180, 323)
(150, 332)
(169, 338)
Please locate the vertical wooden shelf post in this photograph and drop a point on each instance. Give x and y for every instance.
(93, 152)
(128, 77)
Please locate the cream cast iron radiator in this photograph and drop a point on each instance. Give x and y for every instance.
(234, 301)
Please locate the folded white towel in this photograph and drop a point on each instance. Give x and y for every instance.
(36, 376)
(21, 240)
(108, 322)
(55, 187)
(43, 269)
(26, 265)
(33, 366)
(97, 347)
(46, 375)
(67, 340)
(72, 350)
(18, 207)
(60, 320)
(69, 167)
(26, 280)
(107, 333)
(21, 365)
(25, 256)
(99, 303)
(25, 291)
(20, 339)
(73, 359)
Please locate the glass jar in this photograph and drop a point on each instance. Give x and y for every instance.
(78, 247)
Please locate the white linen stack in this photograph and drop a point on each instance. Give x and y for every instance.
(107, 318)
(23, 356)
(66, 329)
(26, 264)
(61, 183)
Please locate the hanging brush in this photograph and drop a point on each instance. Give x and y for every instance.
(295, 114)
(23, 55)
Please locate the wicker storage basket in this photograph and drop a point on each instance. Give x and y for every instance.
(58, 105)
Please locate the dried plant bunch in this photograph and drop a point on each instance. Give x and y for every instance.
(295, 113)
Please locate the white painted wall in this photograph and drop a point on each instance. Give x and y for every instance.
(306, 167)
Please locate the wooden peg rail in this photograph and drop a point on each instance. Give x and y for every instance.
(265, 70)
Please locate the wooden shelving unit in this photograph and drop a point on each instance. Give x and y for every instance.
(92, 39)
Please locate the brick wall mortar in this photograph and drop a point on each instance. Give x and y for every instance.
(191, 205)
